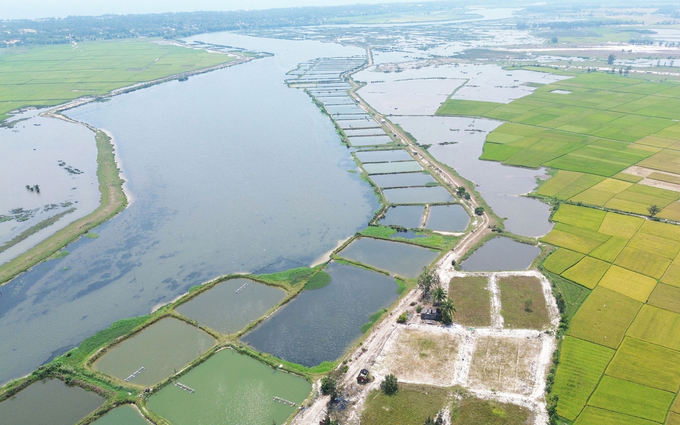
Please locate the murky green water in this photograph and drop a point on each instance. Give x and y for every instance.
(409, 216)
(225, 310)
(49, 403)
(447, 218)
(400, 258)
(392, 167)
(162, 349)
(230, 388)
(500, 254)
(122, 415)
(418, 195)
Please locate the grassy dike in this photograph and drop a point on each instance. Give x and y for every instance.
(113, 201)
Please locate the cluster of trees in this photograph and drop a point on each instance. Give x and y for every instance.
(430, 284)
(34, 188)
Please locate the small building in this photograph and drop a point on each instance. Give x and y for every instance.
(362, 378)
(431, 314)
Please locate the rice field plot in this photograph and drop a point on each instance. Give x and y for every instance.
(472, 300)
(628, 283)
(602, 192)
(620, 225)
(657, 326)
(586, 218)
(581, 365)
(631, 399)
(666, 297)
(504, 364)
(656, 245)
(575, 238)
(561, 260)
(672, 275)
(587, 272)
(604, 317)
(643, 262)
(568, 184)
(647, 364)
(523, 304)
(593, 415)
(609, 250)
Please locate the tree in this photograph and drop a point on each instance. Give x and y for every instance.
(426, 281)
(403, 318)
(438, 420)
(438, 294)
(528, 305)
(610, 59)
(479, 210)
(329, 386)
(448, 310)
(553, 40)
(653, 210)
(390, 385)
(460, 190)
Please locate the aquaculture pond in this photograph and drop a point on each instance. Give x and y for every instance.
(369, 140)
(231, 388)
(402, 180)
(384, 156)
(122, 415)
(231, 305)
(269, 214)
(395, 257)
(161, 350)
(319, 325)
(392, 167)
(49, 403)
(418, 195)
(356, 123)
(447, 218)
(365, 132)
(344, 109)
(409, 216)
(500, 254)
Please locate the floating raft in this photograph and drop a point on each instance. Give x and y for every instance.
(241, 288)
(284, 401)
(134, 375)
(184, 387)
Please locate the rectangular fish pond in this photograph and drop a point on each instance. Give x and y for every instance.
(409, 216)
(49, 403)
(356, 123)
(501, 254)
(122, 415)
(230, 388)
(402, 180)
(161, 349)
(319, 324)
(365, 132)
(447, 218)
(345, 109)
(230, 305)
(397, 258)
(418, 195)
(369, 140)
(392, 167)
(382, 156)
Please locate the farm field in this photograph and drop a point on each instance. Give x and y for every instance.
(50, 75)
(613, 139)
(522, 303)
(620, 360)
(472, 300)
(412, 404)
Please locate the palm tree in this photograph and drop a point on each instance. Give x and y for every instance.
(438, 295)
(448, 310)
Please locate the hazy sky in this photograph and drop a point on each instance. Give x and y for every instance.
(28, 9)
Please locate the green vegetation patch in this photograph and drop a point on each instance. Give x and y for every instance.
(657, 326)
(604, 317)
(646, 364)
(572, 293)
(473, 411)
(523, 303)
(581, 365)
(472, 300)
(586, 218)
(291, 276)
(466, 107)
(587, 272)
(372, 319)
(561, 260)
(628, 283)
(412, 404)
(632, 399)
(666, 297)
(595, 416)
(643, 262)
(574, 238)
(609, 250)
(318, 281)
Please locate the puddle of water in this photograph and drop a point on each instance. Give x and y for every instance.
(230, 388)
(402, 180)
(161, 349)
(447, 218)
(383, 156)
(369, 140)
(122, 415)
(227, 311)
(501, 254)
(409, 216)
(399, 258)
(392, 167)
(418, 195)
(49, 403)
(319, 325)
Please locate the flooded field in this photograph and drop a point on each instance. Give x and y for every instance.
(384, 156)
(122, 415)
(501, 254)
(161, 349)
(447, 218)
(178, 231)
(392, 167)
(231, 305)
(319, 325)
(397, 258)
(409, 216)
(49, 403)
(231, 388)
(499, 185)
(369, 140)
(402, 180)
(418, 195)
(410, 97)
(57, 156)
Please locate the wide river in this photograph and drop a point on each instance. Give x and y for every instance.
(230, 171)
